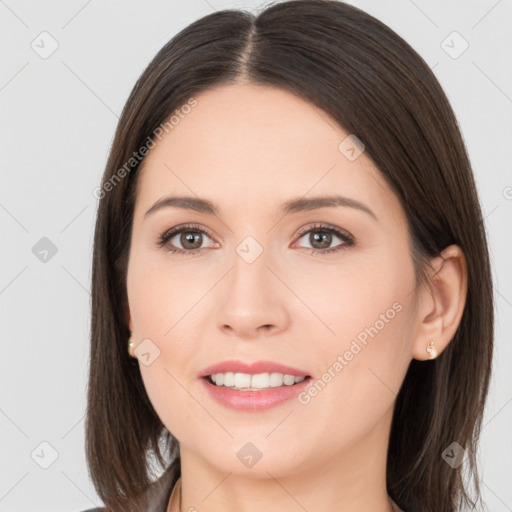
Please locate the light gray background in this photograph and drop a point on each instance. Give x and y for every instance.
(57, 123)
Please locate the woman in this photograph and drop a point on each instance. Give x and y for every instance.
(290, 242)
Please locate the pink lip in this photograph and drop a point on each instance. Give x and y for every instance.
(253, 400)
(254, 368)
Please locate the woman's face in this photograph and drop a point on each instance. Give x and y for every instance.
(253, 289)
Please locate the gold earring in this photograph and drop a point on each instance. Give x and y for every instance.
(431, 349)
(130, 346)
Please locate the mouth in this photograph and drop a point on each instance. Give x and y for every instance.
(253, 386)
(252, 393)
(255, 382)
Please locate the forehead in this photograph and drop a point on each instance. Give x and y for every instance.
(251, 144)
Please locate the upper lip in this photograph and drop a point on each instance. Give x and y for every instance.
(252, 368)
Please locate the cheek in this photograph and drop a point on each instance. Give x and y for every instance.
(164, 308)
(367, 308)
(160, 293)
(158, 307)
(359, 297)
(360, 371)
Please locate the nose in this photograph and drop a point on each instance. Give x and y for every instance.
(252, 300)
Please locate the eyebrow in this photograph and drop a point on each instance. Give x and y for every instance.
(293, 206)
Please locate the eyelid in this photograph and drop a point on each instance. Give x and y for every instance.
(328, 227)
(167, 235)
(183, 227)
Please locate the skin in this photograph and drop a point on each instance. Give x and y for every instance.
(248, 149)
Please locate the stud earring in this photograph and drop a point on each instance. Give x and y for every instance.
(130, 347)
(431, 349)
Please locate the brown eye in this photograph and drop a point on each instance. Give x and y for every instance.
(184, 240)
(321, 237)
(191, 239)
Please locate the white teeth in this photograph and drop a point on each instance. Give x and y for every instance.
(242, 380)
(250, 382)
(229, 379)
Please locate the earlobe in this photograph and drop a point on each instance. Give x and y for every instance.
(444, 301)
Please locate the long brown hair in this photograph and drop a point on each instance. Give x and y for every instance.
(375, 85)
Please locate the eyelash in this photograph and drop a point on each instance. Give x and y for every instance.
(348, 240)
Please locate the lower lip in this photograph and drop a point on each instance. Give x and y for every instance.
(254, 400)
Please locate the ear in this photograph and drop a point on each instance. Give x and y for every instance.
(442, 302)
